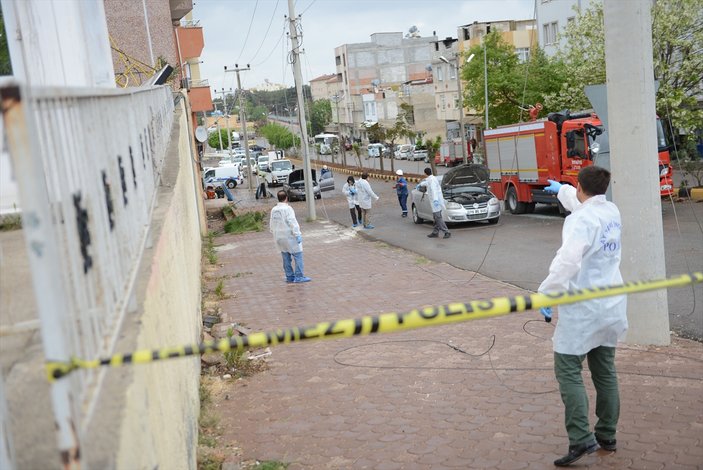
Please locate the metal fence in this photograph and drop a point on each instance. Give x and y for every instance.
(88, 164)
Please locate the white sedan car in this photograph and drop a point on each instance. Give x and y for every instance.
(468, 199)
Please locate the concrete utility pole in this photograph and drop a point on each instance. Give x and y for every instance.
(337, 98)
(634, 162)
(243, 119)
(457, 68)
(226, 111)
(295, 53)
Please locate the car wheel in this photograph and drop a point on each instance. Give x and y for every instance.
(514, 206)
(493, 221)
(231, 184)
(319, 196)
(416, 217)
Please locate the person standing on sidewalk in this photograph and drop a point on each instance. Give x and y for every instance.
(349, 190)
(434, 192)
(289, 240)
(401, 189)
(589, 257)
(366, 198)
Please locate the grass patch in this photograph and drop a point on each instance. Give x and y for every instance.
(269, 465)
(238, 361)
(228, 211)
(421, 260)
(209, 248)
(247, 222)
(10, 222)
(220, 289)
(210, 461)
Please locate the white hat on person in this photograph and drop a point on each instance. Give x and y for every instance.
(399, 172)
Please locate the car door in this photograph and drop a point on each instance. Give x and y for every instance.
(326, 181)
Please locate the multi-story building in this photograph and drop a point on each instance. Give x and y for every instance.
(323, 87)
(268, 86)
(375, 77)
(147, 36)
(553, 17)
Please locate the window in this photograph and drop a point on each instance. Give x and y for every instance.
(523, 54)
(549, 31)
(440, 72)
(570, 20)
(452, 73)
(467, 36)
(443, 101)
(338, 60)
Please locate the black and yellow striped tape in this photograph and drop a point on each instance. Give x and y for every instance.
(383, 323)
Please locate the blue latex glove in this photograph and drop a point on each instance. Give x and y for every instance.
(299, 239)
(553, 187)
(352, 191)
(435, 206)
(547, 312)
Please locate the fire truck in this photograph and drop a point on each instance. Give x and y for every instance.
(522, 157)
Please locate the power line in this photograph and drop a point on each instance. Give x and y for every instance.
(273, 15)
(251, 22)
(274, 46)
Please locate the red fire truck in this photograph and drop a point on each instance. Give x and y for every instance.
(522, 157)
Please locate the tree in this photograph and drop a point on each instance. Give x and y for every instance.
(357, 153)
(279, 136)
(213, 139)
(320, 116)
(512, 85)
(677, 41)
(377, 134)
(400, 129)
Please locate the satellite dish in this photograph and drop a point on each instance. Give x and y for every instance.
(375, 82)
(413, 29)
(201, 134)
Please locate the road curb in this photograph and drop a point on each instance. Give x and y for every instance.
(695, 194)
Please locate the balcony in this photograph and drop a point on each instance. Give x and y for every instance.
(180, 8)
(199, 94)
(190, 41)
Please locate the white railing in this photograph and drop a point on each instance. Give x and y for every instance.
(88, 164)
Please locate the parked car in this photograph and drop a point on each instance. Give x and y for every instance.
(262, 163)
(295, 186)
(420, 154)
(326, 180)
(465, 190)
(404, 152)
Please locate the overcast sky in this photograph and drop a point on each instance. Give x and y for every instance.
(252, 31)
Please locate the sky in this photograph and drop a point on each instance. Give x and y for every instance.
(252, 31)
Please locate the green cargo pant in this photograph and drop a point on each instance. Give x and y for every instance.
(567, 368)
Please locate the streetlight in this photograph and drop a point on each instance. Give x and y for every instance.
(461, 102)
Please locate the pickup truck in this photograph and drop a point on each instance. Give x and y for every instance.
(277, 172)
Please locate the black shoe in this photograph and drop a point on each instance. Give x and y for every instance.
(433, 235)
(576, 452)
(447, 235)
(607, 444)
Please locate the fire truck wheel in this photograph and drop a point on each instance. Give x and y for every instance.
(514, 206)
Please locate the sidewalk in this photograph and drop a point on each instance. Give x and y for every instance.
(410, 400)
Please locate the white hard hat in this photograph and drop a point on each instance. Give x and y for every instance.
(324, 167)
(399, 172)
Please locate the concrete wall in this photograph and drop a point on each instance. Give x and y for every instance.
(147, 415)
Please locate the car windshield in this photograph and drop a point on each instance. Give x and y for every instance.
(281, 165)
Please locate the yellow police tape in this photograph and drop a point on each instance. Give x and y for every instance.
(383, 323)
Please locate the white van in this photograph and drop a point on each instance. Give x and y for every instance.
(278, 172)
(228, 175)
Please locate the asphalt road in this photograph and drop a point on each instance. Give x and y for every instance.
(519, 249)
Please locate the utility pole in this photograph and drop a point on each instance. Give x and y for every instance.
(485, 82)
(337, 98)
(634, 162)
(226, 111)
(457, 68)
(295, 53)
(219, 134)
(243, 120)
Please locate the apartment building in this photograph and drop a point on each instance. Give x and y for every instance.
(323, 87)
(375, 77)
(552, 18)
(147, 35)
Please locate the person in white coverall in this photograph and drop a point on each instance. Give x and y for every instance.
(434, 192)
(289, 240)
(589, 256)
(365, 196)
(349, 190)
